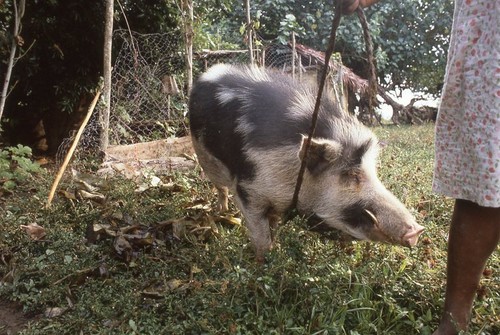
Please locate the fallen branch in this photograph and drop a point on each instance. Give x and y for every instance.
(72, 150)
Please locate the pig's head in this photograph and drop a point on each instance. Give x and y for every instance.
(341, 187)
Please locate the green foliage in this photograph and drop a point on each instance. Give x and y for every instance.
(184, 285)
(410, 37)
(288, 26)
(16, 166)
(218, 24)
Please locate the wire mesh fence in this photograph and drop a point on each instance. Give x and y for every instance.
(147, 97)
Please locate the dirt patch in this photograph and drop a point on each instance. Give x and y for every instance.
(12, 318)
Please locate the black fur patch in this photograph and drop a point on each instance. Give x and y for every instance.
(242, 194)
(353, 156)
(270, 117)
(355, 216)
(216, 124)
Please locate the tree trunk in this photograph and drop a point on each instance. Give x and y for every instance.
(18, 15)
(108, 42)
(396, 106)
(408, 114)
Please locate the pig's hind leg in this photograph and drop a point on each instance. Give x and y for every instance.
(216, 171)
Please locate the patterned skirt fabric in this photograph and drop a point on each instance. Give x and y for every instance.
(467, 145)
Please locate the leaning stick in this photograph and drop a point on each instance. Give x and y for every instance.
(72, 149)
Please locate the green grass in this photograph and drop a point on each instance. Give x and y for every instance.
(207, 281)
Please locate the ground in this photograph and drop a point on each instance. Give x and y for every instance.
(12, 318)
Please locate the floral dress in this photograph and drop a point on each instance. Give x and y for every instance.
(467, 145)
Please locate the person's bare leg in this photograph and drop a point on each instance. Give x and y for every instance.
(474, 235)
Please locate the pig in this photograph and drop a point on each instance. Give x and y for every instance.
(249, 128)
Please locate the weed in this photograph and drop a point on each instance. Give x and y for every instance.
(16, 166)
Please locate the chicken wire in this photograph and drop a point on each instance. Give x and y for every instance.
(147, 100)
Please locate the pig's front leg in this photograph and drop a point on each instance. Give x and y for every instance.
(257, 222)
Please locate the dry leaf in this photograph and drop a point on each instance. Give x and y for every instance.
(89, 182)
(68, 195)
(53, 312)
(43, 161)
(150, 182)
(174, 284)
(133, 229)
(34, 231)
(104, 229)
(94, 196)
(123, 248)
(228, 219)
(140, 240)
(171, 187)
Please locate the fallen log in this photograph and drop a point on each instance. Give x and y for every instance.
(158, 157)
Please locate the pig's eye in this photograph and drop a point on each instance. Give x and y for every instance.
(353, 176)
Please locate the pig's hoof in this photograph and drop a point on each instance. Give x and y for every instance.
(222, 199)
(222, 207)
(260, 259)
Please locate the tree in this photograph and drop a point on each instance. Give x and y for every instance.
(410, 37)
(17, 39)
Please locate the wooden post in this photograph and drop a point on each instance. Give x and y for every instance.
(108, 43)
(188, 18)
(249, 31)
(294, 55)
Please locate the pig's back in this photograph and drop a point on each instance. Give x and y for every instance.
(236, 108)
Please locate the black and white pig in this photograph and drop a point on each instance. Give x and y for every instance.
(249, 126)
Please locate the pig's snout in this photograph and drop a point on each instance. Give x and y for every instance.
(410, 239)
(385, 232)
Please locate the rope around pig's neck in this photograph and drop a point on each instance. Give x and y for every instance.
(372, 90)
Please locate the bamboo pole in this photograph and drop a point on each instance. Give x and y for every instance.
(72, 149)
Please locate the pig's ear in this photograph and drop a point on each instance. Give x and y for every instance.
(321, 154)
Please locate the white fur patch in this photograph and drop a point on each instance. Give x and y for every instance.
(256, 74)
(303, 106)
(243, 126)
(251, 72)
(215, 72)
(225, 96)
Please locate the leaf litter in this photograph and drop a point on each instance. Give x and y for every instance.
(130, 238)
